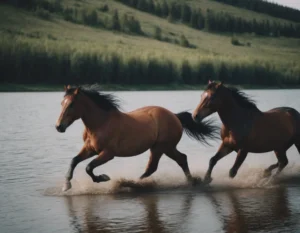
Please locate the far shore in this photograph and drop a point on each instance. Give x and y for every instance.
(116, 87)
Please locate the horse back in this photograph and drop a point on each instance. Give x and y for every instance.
(273, 130)
(292, 113)
(167, 124)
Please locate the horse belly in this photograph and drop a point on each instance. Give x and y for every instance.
(136, 141)
(133, 149)
(270, 142)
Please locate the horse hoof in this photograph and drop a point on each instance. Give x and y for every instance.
(105, 177)
(232, 173)
(207, 180)
(66, 186)
(102, 178)
(195, 181)
(267, 174)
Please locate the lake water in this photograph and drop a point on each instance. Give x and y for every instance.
(35, 158)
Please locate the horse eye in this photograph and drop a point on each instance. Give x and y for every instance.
(212, 98)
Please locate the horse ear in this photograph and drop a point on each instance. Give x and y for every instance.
(76, 91)
(67, 87)
(209, 81)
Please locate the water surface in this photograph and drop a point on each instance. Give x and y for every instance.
(35, 158)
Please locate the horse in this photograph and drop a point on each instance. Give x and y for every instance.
(110, 133)
(246, 129)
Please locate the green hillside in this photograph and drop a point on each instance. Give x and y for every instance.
(42, 45)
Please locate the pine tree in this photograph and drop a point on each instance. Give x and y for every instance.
(184, 42)
(194, 19)
(115, 22)
(165, 9)
(200, 20)
(151, 6)
(158, 10)
(185, 13)
(157, 33)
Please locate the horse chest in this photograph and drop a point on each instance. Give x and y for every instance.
(239, 136)
(97, 143)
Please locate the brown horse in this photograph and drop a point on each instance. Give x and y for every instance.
(247, 129)
(110, 132)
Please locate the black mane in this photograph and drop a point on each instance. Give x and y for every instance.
(242, 98)
(106, 102)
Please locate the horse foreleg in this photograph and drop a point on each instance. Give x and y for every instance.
(84, 154)
(240, 158)
(222, 152)
(102, 158)
(152, 163)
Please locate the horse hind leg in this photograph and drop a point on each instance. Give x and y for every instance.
(155, 155)
(181, 160)
(268, 171)
(282, 161)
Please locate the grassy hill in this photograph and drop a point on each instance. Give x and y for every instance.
(41, 47)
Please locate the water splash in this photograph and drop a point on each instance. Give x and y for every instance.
(250, 178)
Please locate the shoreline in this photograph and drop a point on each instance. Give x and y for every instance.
(116, 87)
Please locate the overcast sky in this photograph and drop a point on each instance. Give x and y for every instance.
(290, 3)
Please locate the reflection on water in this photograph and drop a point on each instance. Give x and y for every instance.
(146, 217)
(257, 210)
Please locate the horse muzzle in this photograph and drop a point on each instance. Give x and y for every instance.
(60, 128)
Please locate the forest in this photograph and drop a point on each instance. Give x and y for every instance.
(265, 7)
(212, 20)
(45, 51)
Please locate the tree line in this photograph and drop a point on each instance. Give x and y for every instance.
(24, 63)
(224, 22)
(212, 20)
(265, 7)
(125, 23)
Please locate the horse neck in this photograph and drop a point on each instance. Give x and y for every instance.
(233, 115)
(93, 117)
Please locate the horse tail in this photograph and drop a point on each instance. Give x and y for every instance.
(200, 131)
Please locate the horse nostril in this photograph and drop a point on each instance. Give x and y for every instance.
(61, 128)
(58, 128)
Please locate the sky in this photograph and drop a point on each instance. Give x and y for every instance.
(290, 3)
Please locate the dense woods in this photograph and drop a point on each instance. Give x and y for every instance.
(43, 8)
(212, 20)
(195, 18)
(30, 62)
(22, 64)
(265, 7)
